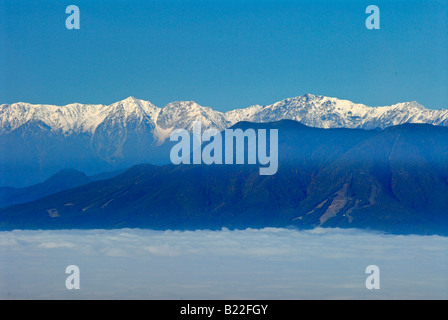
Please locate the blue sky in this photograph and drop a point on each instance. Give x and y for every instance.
(223, 53)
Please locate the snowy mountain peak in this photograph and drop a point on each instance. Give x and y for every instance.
(130, 99)
(182, 114)
(309, 96)
(131, 104)
(409, 105)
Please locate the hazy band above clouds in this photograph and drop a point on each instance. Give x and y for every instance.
(242, 264)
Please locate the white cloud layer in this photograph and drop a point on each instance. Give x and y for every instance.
(244, 264)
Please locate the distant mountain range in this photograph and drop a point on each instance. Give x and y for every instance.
(36, 141)
(394, 180)
(60, 181)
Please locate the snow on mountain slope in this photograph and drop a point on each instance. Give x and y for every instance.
(68, 119)
(246, 114)
(75, 117)
(326, 112)
(182, 114)
(130, 109)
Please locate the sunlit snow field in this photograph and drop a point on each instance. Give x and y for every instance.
(243, 264)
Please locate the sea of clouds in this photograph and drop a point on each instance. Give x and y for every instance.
(268, 263)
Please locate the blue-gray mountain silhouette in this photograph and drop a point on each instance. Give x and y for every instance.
(395, 180)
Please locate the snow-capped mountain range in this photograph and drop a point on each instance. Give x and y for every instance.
(133, 131)
(311, 110)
